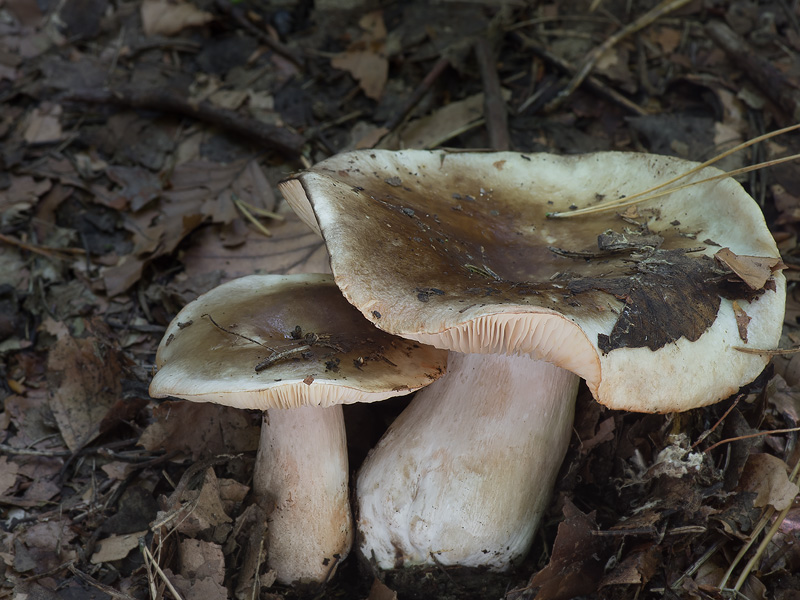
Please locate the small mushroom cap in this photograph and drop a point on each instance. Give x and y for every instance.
(310, 346)
(456, 250)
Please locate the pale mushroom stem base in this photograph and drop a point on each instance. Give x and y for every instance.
(465, 473)
(301, 477)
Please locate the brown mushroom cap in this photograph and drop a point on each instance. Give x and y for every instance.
(320, 350)
(436, 246)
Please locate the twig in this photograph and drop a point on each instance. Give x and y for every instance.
(4, 449)
(494, 104)
(641, 197)
(419, 92)
(705, 434)
(769, 80)
(273, 358)
(591, 82)
(100, 586)
(751, 435)
(242, 206)
(168, 101)
(239, 16)
(42, 250)
(768, 537)
(592, 57)
(234, 333)
(148, 557)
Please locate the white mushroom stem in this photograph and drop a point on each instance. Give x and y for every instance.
(465, 473)
(301, 475)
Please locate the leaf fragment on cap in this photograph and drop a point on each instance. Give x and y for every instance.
(753, 270)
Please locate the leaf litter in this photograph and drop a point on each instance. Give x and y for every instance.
(112, 220)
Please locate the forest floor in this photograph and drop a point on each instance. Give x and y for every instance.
(140, 138)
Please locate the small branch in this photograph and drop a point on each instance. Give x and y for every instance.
(592, 57)
(239, 16)
(168, 101)
(591, 82)
(769, 80)
(100, 586)
(494, 104)
(419, 92)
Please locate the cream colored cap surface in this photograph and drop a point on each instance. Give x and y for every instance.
(273, 341)
(456, 250)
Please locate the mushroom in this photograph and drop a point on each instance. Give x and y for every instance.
(456, 250)
(294, 348)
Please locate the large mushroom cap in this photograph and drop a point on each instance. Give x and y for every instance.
(272, 341)
(435, 245)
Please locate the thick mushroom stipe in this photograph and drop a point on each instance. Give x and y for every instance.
(305, 491)
(477, 500)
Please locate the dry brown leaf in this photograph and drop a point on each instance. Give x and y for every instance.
(381, 591)
(198, 589)
(637, 568)
(202, 429)
(669, 38)
(43, 125)
(742, 320)
(116, 547)
(208, 512)
(366, 58)
(198, 559)
(753, 270)
(84, 379)
(767, 476)
(8, 474)
(575, 566)
(292, 248)
(161, 17)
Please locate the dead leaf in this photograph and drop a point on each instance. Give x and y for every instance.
(293, 248)
(742, 320)
(199, 559)
(366, 59)
(202, 429)
(753, 270)
(84, 376)
(198, 589)
(576, 565)
(116, 547)
(208, 513)
(8, 474)
(381, 591)
(160, 17)
(43, 125)
(434, 129)
(767, 476)
(636, 568)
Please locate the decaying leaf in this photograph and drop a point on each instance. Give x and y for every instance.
(215, 429)
(44, 126)
(637, 568)
(161, 17)
(671, 295)
(753, 270)
(381, 591)
(85, 377)
(8, 474)
(575, 567)
(742, 320)
(116, 547)
(767, 476)
(366, 58)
